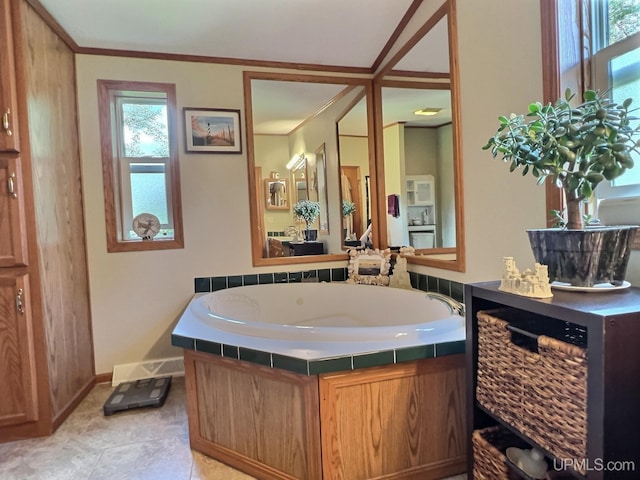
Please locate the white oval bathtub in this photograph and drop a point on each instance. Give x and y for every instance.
(326, 312)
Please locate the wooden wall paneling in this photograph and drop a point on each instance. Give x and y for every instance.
(397, 421)
(262, 420)
(54, 147)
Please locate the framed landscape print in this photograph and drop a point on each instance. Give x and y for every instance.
(212, 130)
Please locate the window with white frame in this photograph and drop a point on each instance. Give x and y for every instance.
(615, 65)
(140, 163)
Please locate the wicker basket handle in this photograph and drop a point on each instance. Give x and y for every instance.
(524, 338)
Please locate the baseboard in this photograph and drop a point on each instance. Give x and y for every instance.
(75, 401)
(104, 377)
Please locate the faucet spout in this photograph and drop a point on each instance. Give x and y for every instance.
(454, 305)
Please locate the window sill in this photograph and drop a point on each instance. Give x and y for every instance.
(139, 245)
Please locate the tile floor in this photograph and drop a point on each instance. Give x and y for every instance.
(143, 444)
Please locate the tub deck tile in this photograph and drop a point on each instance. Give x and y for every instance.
(373, 359)
(449, 348)
(330, 365)
(255, 356)
(292, 364)
(415, 353)
(208, 347)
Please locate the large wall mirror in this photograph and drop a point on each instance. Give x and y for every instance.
(419, 147)
(292, 133)
(400, 186)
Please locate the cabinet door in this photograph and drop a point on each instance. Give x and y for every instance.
(12, 223)
(8, 97)
(424, 192)
(17, 364)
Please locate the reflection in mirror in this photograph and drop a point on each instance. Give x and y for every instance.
(419, 127)
(354, 169)
(277, 193)
(418, 153)
(291, 120)
(318, 189)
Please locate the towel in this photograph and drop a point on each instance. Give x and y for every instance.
(393, 205)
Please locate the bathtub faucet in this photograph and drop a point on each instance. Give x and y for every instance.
(454, 305)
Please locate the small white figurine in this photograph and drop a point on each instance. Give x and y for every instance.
(400, 277)
(528, 284)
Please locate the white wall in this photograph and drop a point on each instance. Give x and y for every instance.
(136, 297)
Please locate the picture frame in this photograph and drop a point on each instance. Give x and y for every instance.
(277, 196)
(369, 267)
(212, 130)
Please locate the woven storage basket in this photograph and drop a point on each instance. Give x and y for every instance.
(489, 445)
(543, 394)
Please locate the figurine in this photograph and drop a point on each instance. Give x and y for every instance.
(533, 284)
(400, 277)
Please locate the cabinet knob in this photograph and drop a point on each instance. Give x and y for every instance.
(11, 185)
(5, 122)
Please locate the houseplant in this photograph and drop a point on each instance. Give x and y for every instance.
(577, 147)
(307, 211)
(348, 208)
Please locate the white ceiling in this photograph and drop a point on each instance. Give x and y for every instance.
(326, 32)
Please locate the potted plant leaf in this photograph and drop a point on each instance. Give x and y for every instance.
(578, 147)
(308, 211)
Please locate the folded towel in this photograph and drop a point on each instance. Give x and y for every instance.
(393, 205)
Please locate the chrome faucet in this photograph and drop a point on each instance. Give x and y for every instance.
(454, 305)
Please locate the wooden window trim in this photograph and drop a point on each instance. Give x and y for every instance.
(111, 200)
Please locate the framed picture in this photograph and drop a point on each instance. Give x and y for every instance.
(212, 130)
(369, 267)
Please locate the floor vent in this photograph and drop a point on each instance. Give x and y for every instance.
(129, 372)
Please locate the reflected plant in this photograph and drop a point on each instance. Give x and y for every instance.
(307, 210)
(348, 208)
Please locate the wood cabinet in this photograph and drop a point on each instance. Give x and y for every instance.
(8, 96)
(17, 366)
(420, 190)
(607, 326)
(46, 352)
(13, 246)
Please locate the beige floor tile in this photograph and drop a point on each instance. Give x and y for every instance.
(206, 468)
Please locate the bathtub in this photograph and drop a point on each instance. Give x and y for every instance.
(315, 380)
(319, 320)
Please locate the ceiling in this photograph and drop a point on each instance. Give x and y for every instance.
(333, 33)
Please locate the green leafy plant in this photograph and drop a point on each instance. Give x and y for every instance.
(578, 147)
(348, 208)
(307, 211)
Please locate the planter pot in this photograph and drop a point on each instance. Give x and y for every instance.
(311, 235)
(585, 257)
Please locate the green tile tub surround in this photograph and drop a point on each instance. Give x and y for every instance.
(426, 283)
(322, 365)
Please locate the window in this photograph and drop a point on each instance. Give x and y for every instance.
(616, 68)
(139, 162)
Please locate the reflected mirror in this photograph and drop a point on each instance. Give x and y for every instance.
(293, 140)
(421, 155)
(401, 186)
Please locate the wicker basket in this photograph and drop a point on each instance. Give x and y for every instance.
(489, 445)
(543, 394)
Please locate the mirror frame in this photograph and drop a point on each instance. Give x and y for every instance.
(255, 186)
(387, 78)
(427, 257)
(321, 183)
(267, 194)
